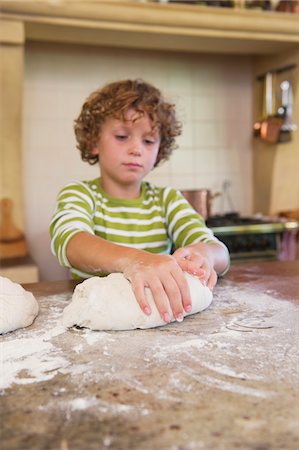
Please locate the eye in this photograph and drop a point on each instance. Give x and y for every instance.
(120, 137)
(149, 141)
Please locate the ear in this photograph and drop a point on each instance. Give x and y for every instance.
(94, 151)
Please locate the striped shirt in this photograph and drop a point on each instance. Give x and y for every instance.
(157, 221)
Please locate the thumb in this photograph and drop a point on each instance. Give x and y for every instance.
(182, 253)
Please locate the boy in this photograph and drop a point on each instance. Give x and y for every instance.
(120, 223)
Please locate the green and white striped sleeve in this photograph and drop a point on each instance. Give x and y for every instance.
(74, 214)
(185, 225)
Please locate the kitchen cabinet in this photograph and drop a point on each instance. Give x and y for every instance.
(268, 36)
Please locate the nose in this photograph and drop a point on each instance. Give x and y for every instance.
(135, 147)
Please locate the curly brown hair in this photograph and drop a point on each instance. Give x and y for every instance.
(113, 101)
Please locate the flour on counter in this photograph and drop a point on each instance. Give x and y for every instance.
(101, 407)
(78, 348)
(28, 355)
(79, 404)
(36, 359)
(200, 353)
(36, 355)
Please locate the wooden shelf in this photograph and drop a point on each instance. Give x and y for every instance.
(173, 27)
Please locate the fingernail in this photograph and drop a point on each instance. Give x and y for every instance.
(166, 317)
(147, 311)
(188, 308)
(179, 318)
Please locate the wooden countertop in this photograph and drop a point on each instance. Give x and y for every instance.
(225, 378)
(277, 272)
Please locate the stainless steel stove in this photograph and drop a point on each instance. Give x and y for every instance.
(255, 238)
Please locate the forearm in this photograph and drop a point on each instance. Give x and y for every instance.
(91, 253)
(160, 273)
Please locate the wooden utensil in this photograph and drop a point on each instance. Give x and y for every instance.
(12, 240)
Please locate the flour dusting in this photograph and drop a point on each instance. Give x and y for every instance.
(211, 350)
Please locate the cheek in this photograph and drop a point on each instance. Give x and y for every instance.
(154, 157)
(151, 160)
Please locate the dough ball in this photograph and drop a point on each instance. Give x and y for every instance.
(108, 303)
(18, 308)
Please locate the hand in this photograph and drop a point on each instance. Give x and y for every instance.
(197, 263)
(164, 277)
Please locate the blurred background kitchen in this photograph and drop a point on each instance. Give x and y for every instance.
(231, 67)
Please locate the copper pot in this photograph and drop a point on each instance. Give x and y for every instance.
(201, 200)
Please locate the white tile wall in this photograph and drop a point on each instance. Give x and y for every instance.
(213, 98)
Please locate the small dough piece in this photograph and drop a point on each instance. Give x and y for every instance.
(108, 303)
(18, 307)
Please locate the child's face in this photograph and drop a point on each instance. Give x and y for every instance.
(127, 149)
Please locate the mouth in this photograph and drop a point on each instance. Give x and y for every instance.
(133, 165)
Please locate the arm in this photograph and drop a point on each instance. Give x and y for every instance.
(161, 273)
(76, 246)
(198, 252)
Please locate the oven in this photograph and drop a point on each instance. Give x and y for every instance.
(256, 238)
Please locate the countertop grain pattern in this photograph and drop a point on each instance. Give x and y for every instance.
(226, 378)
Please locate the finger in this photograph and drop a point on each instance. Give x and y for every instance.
(175, 294)
(139, 292)
(192, 267)
(161, 301)
(182, 253)
(183, 286)
(212, 280)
